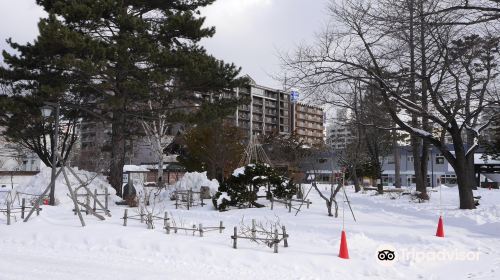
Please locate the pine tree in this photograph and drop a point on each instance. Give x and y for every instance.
(125, 53)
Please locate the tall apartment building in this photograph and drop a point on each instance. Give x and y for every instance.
(268, 111)
(271, 111)
(308, 123)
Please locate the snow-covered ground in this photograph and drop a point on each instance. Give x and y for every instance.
(55, 246)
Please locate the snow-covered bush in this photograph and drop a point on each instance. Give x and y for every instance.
(241, 188)
(194, 181)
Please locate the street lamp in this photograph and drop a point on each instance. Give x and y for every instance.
(47, 112)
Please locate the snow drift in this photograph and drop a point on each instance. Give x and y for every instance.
(39, 183)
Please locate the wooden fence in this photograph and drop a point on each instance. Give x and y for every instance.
(290, 203)
(200, 229)
(10, 210)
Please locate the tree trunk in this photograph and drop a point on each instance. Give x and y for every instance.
(397, 160)
(415, 141)
(461, 170)
(424, 100)
(471, 176)
(355, 178)
(424, 160)
(160, 171)
(329, 207)
(419, 179)
(117, 151)
(464, 189)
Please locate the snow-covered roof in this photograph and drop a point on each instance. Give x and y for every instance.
(134, 168)
(319, 171)
(478, 159)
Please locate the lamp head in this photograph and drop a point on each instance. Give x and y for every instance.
(46, 111)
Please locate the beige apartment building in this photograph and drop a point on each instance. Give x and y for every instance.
(272, 111)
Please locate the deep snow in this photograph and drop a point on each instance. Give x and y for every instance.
(54, 245)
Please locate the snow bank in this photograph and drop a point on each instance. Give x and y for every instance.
(195, 180)
(38, 183)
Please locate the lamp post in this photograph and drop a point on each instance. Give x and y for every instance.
(432, 167)
(46, 112)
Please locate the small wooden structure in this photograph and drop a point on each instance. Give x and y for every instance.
(254, 153)
(64, 170)
(274, 242)
(186, 199)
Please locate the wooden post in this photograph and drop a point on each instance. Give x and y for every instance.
(167, 227)
(165, 219)
(285, 237)
(290, 206)
(272, 203)
(201, 199)
(235, 236)
(141, 213)
(308, 202)
(8, 212)
(201, 230)
(37, 207)
(276, 241)
(125, 217)
(87, 202)
(176, 200)
(23, 207)
(220, 227)
(149, 221)
(253, 229)
(106, 199)
(188, 199)
(95, 200)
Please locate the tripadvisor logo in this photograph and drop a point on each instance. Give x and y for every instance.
(387, 255)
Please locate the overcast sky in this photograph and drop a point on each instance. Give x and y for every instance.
(249, 32)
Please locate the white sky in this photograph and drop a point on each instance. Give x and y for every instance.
(249, 32)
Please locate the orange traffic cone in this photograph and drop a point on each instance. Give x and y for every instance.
(440, 229)
(343, 253)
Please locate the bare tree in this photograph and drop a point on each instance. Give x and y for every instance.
(370, 44)
(156, 130)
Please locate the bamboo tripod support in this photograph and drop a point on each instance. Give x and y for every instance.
(71, 194)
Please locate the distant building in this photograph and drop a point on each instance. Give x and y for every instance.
(308, 123)
(488, 135)
(13, 157)
(272, 111)
(267, 113)
(339, 135)
(324, 164)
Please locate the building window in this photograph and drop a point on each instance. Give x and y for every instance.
(322, 160)
(390, 159)
(410, 158)
(439, 159)
(449, 179)
(387, 180)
